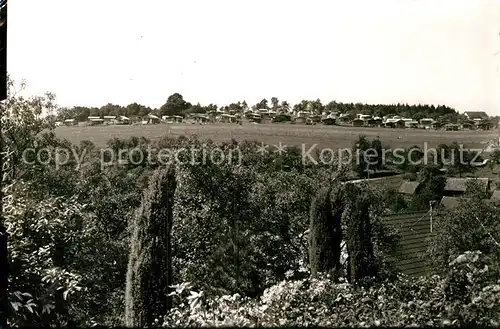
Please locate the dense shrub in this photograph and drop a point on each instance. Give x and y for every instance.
(321, 302)
(150, 264)
(325, 231)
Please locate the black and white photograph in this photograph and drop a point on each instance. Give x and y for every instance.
(249, 163)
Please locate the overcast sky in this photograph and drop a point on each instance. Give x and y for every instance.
(95, 52)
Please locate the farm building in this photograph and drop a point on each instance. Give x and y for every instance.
(474, 115)
(458, 186)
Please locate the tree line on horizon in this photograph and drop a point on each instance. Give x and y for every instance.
(176, 105)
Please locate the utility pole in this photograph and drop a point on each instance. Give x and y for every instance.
(431, 206)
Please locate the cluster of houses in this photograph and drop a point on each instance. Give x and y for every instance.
(112, 120)
(475, 120)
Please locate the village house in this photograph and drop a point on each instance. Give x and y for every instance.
(476, 115)
(302, 114)
(374, 122)
(94, 120)
(172, 118)
(264, 113)
(314, 118)
(200, 118)
(364, 117)
(411, 123)
(272, 113)
(427, 123)
(228, 118)
(394, 123)
(254, 117)
(109, 119)
(151, 119)
(122, 120)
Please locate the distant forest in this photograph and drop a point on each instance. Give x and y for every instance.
(176, 105)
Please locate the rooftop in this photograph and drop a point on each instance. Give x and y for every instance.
(408, 187)
(450, 202)
(460, 184)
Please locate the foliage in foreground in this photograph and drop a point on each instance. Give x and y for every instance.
(468, 294)
(150, 264)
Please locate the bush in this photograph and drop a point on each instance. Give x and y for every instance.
(406, 301)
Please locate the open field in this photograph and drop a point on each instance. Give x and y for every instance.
(324, 136)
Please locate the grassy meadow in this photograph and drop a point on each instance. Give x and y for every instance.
(324, 136)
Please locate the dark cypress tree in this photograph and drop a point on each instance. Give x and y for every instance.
(149, 269)
(359, 235)
(325, 234)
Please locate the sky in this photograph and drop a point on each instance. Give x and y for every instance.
(94, 52)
